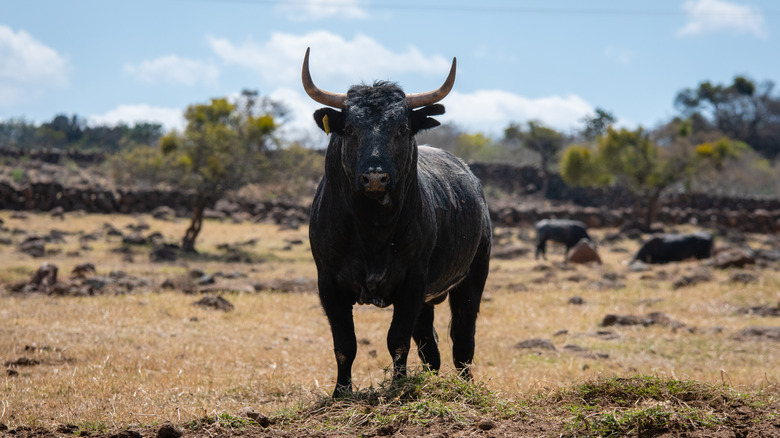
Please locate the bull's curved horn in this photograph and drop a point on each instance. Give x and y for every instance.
(335, 100)
(418, 100)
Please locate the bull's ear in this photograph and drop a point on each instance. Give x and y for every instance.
(421, 118)
(329, 120)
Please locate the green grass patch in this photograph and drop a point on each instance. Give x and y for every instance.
(646, 405)
(419, 399)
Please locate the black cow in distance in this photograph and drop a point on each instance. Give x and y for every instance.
(665, 248)
(565, 231)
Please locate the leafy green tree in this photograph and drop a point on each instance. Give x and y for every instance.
(220, 149)
(223, 147)
(629, 159)
(742, 110)
(597, 124)
(545, 141)
(473, 147)
(720, 151)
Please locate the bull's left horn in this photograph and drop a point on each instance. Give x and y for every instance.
(418, 100)
(335, 100)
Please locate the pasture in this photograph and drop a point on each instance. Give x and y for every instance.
(138, 355)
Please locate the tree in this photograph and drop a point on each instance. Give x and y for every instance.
(597, 124)
(743, 111)
(541, 139)
(629, 159)
(221, 149)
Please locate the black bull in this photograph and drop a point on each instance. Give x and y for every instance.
(565, 231)
(395, 224)
(665, 248)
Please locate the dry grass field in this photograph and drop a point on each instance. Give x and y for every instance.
(145, 355)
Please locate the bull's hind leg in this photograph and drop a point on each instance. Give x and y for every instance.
(426, 339)
(464, 303)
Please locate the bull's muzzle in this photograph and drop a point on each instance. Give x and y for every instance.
(374, 182)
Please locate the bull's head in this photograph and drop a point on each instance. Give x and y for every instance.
(375, 127)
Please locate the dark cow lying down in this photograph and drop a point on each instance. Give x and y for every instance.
(395, 224)
(665, 248)
(565, 231)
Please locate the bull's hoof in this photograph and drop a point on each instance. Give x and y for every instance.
(342, 391)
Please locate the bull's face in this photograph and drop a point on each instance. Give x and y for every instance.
(375, 135)
(374, 129)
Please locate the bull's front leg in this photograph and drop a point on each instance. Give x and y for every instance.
(338, 309)
(406, 308)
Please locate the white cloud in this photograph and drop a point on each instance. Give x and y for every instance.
(306, 10)
(170, 118)
(490, 111)
(618, 54)
(28, 67)
(362, 58)
(174, 69)
(708, 16)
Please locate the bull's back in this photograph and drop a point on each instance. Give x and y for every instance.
(454, 196)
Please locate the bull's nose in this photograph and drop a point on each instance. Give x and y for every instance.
(374, 181)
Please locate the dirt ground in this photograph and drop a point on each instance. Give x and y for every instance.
(524, 298)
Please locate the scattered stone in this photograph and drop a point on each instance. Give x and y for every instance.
(127, 434)
(67, 428)
(45, 277)
(168, 430)
(517, 287)
(611, 320)
(22, 362)
(742, 277)
(561, 332)
(583, 252)
(34, 246)
(577, 301)
(639, 266)
(606, 335)
(257, 417)
(10, 372)
(733, 258)
(543, 344)
(385, 430)
(654, 318)
(215, 302)
(694, 278)
(110, 231)
(58, 213)
(135, 239)
(163, 212)
(764, 310)
(299, 284)
(168, 284)
(760, 333)
(205, 279)
(137, 228)
(164, 253)
(486, 424)
(572, 348)
(81, 271)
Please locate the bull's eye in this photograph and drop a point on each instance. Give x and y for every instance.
(403, 130)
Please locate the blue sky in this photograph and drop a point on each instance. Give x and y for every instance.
(554, 60)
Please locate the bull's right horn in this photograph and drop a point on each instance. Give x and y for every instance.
(335, 100)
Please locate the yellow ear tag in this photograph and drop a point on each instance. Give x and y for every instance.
(325, 124)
